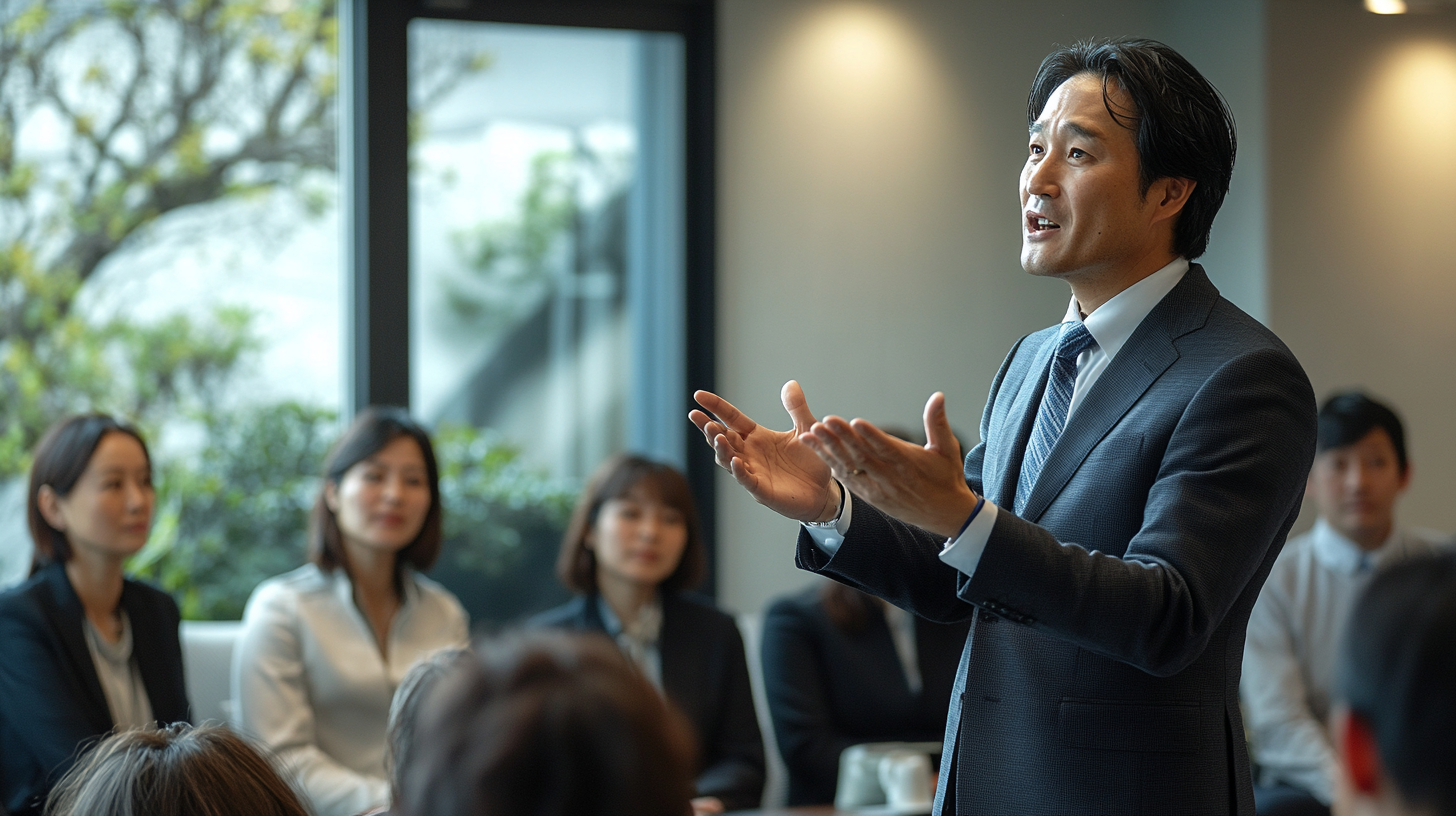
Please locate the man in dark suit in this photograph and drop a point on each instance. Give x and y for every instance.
(1140, 466)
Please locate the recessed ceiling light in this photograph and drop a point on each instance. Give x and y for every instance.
(1386, 6)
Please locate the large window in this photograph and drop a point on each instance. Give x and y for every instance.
(546, 262)
(236, 222)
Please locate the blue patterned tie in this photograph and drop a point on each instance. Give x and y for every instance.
(1052, 416)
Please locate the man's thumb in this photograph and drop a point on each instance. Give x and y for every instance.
(798, 407)
(937, 427)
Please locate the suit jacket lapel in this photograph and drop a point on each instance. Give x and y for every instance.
(1144, 358)
(67, 620)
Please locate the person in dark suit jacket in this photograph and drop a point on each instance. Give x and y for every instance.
(835, 676)
(1139, 468)
(86, 650)
(631, 551)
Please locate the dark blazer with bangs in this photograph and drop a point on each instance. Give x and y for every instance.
(1108, 620)
(51, 703)
(705, 674)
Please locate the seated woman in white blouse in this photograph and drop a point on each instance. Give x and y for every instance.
(324, 647)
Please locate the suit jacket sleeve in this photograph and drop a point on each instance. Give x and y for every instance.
(796, 683)
(1243, 443)
(1245, 440)
(735, 763)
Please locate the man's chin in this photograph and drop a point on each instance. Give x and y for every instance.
(1036, 263)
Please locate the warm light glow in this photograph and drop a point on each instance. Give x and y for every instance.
(1386, 6)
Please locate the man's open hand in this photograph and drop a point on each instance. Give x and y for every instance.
(923, 486)
(776, 467)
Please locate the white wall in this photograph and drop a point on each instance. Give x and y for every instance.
(869, 241)
(1362, 158)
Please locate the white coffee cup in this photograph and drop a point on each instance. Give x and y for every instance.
(905, 778)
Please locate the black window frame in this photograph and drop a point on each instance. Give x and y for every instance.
(374, 142)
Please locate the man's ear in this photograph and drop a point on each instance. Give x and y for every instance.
(1169, 195)
(1405, 475)
(1358, 752)
(49, 503)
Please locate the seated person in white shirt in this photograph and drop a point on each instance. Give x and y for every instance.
(1395, 692)
(324, 647)
(1360, 471)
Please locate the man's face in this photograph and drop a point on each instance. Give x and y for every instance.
(1356, 487)
(1082, 210)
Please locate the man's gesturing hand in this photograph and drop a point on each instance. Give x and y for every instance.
(923, 486)
(776, 468)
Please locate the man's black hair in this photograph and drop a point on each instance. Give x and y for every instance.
(1397, 672)
(1348, 416)
(1181, 123)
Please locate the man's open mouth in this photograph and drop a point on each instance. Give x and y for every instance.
(1037, 223)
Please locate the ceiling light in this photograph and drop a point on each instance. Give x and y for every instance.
(1386, 6)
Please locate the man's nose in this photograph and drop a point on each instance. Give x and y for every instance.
(1041, 179)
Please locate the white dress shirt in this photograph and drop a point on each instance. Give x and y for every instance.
(1110, 324)
(121, 679)
(1294, 637)
(310, 683)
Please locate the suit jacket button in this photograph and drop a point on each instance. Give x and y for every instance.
(987, 617)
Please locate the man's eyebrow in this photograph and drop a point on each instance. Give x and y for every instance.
(1072, 127)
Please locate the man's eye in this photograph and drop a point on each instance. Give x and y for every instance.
(1036, 150)
(1077, 153)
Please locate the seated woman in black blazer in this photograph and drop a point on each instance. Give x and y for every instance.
(841, 668)
(85, 650)
(631, 550)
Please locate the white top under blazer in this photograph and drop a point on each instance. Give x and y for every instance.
(309, 682)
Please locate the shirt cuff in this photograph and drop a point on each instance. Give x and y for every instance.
(828, 540)
(964, 553)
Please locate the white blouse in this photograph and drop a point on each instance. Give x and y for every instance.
(121, 679)
(309, 681)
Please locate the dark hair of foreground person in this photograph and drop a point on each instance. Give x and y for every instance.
(548, 723)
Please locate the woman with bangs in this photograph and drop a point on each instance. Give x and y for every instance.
(632, 551)
(324, 647)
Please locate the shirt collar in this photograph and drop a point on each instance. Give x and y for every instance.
(1340, 554)
(1112, 323)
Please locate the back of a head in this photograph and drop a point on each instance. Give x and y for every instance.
(1397, 672)
(544, 723)
(174, 771)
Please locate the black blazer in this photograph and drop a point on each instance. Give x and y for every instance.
(705, 674)
(51, 702)
(828, 690)
(1109, 618)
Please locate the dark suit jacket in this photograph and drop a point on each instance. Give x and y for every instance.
(51, 702)
(1109, 620)
(704, 673)
(829, 689)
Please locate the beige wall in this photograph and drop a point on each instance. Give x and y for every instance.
(1362, 157)
(869, 154)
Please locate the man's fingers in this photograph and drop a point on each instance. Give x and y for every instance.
(875, 440)
(792, 396)
(836, 444)
(937, 428)
(725, 412)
